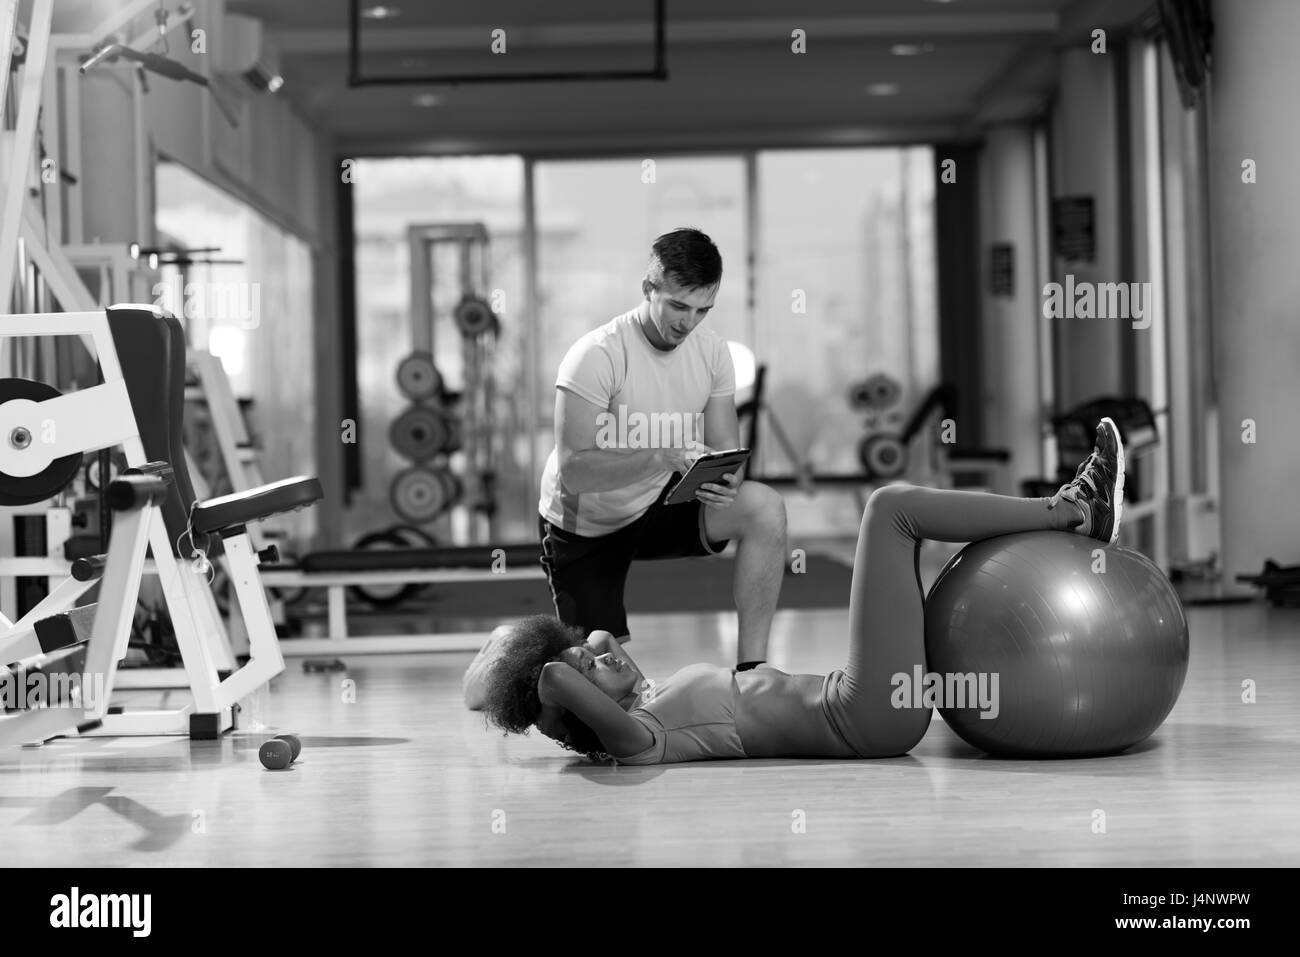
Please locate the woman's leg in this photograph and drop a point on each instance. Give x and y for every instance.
(886, 605)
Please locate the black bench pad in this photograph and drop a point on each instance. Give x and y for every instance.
(240, 508)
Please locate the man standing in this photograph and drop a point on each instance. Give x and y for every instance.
(638, 400)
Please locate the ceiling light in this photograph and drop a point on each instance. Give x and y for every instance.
(426, 99)
(380, 13)
(911, 49)
(883, 89)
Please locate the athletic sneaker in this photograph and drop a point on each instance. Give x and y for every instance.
(1098, 486)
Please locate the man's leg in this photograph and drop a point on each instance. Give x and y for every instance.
(756, 521)
(587, 577)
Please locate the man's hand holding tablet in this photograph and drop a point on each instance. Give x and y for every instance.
(712, 477)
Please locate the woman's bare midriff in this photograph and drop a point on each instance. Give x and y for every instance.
(779, 715)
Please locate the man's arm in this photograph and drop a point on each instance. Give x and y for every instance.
(721, 431)
(721, 424)
(586, 467)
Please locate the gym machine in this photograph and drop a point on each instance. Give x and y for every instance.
(441, 423)
(43, 437)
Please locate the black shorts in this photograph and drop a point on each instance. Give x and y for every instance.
(587, 574)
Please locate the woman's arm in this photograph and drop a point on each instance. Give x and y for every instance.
(604, 642)
(621, 734)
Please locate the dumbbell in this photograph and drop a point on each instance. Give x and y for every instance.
(280, 752)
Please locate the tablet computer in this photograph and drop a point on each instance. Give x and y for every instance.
(707, 468)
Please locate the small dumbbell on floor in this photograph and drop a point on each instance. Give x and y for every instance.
(280, 752)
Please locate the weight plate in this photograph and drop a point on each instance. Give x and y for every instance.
(54, 477)
(859, 396)
(883, 456)
(418, 377)
(881, 391)
(475, 317)
(420, 433)
(418, 495)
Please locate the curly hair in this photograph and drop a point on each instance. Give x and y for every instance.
(511, 701)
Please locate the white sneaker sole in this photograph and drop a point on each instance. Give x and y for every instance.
(1119, 479)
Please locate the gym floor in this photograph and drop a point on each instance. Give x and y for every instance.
(404, 775)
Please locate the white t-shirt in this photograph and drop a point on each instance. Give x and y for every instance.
(651, 398)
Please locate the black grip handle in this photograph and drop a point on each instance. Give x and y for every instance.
(135, 491)
(89, 568)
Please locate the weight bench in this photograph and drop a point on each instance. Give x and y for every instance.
(339, 571)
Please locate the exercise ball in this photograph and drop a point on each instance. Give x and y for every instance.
(1088, 645)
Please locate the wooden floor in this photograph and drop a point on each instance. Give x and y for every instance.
(406, 776)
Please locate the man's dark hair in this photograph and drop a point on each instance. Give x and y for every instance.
(685, 257)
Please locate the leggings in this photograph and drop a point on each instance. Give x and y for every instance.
(886, 604)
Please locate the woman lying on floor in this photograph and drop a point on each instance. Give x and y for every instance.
(592, 698)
